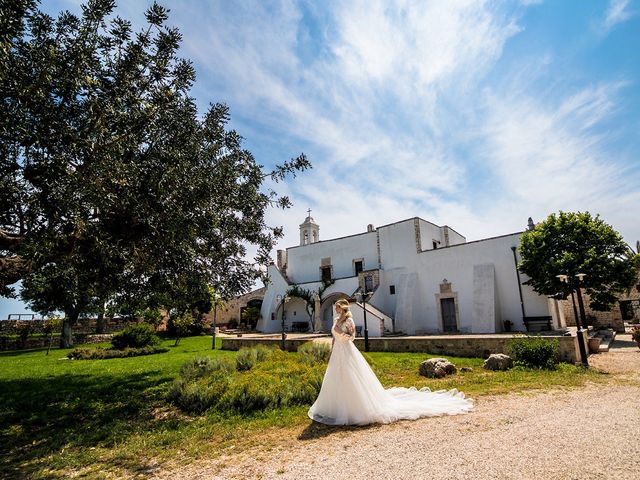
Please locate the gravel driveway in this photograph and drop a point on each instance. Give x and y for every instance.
(587, 433)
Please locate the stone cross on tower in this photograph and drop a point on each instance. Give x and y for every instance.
(309, 230)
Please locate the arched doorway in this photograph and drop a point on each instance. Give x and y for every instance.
(327, 311)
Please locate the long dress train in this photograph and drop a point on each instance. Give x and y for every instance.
(351, 394)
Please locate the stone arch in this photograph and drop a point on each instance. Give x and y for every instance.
(326, 309)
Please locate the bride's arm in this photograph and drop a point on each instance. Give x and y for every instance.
(350, 326)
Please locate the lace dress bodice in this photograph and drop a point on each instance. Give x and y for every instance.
(344, 331)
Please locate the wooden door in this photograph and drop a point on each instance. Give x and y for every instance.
(449, 321)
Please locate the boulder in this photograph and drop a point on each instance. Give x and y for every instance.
(466, 369)
(498, 361)
(437, 368)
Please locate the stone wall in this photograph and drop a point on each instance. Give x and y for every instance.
(231, 310)
(7, 343)
(611, 319)
(84, 326)
(453, 345)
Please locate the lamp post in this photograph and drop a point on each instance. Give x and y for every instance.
(282, 300)
(363, 296)
(579, 322)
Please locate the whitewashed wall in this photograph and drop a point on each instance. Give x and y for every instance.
(303, 263)
(482, 304)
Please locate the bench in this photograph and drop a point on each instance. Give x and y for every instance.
(299, 326)
(538, 324)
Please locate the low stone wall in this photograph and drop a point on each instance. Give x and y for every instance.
(453, 345)
(85, 326)
(43, 342)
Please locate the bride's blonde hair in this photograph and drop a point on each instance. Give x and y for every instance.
(343, 303)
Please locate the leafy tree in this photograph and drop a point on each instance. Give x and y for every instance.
(571, 243)
(113, 188)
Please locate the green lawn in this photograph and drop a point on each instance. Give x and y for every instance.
(108, 418)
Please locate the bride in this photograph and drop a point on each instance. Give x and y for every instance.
(351, 394)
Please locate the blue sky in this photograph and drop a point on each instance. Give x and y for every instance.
(467, 113)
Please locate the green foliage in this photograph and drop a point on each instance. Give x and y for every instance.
(571, 243)
(273, 379)
(204, 366)
(135, 336)
(180, 325)
(251, 315)
(315, 352)
(248, 357)
(107, 353)
(535, 352)
(113, 187)
(152, 316)
(308, 295)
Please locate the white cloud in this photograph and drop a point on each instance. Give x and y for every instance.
(617, 12)
(391, 102)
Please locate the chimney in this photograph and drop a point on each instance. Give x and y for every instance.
(370, 227)
(282, 260)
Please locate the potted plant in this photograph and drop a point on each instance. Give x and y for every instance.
(635, 334)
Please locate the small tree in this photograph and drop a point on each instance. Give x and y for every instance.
(308, 296)
(571, 243)
(182, 323)
(251, 315)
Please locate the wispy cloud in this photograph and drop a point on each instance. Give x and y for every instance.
(617, 12)
(410, 108)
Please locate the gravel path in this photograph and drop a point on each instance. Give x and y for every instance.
(586, 433)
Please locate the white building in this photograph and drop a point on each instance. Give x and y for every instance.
(425, 278)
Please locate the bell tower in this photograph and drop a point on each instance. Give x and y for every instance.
(309, 230)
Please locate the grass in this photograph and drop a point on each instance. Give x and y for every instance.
(109, 418)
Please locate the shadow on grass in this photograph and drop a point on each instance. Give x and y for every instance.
(41, 417)
(17, 353)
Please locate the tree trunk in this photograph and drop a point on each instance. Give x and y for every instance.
(100, 323)
(69, 320)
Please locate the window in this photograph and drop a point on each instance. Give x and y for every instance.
(392, 289)
(368, 283)
(359, 266)
(325, 274)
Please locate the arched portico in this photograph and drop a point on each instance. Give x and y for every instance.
(327, 311)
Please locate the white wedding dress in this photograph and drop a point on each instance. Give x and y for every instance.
(351, 394)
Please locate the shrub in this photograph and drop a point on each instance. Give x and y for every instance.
(202, 366)
(199, 394)
(535, 352)
(248, 357)
(272, 384)
(135, 336)
(315, 352)
(275, 379)
(104, 353)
